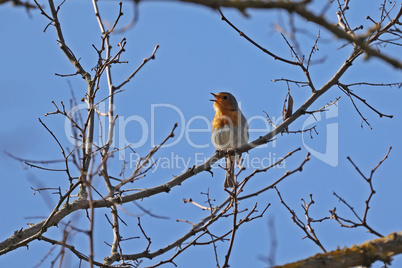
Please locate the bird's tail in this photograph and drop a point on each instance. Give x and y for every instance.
(229, 180)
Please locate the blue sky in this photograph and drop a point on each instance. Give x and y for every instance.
(198, 54)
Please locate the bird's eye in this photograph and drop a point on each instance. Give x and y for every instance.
(225, 97)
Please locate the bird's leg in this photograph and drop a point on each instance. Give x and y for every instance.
(229, 160)
(238, 158)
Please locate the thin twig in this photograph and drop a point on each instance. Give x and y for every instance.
(139, 68)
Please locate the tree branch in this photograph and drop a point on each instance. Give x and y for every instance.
(300, 8)
(364, 254)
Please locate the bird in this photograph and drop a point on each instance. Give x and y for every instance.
(229, 130)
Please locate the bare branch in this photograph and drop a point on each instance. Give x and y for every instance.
(287, 173)
(307, 228)
(349, 93)
(300, 9)
(362, 220)
(359, 255)
(139, 68)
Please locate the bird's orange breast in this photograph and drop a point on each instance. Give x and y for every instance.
(225, 117)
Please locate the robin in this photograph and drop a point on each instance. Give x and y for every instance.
(229, 130)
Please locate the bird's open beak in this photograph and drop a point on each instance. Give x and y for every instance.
(216, 97)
